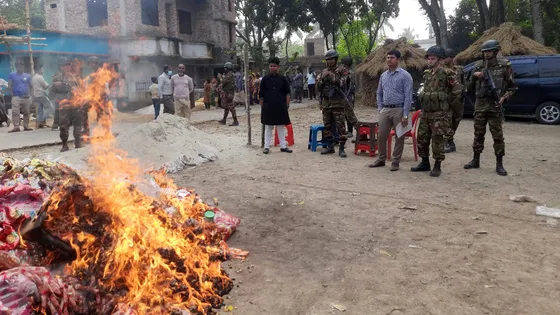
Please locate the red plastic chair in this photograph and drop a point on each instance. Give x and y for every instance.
(289, 136)
(412, 134)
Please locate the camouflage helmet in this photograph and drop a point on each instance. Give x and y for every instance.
(228, 65)
(436, 51)
(450, 52)
(93, 59)
(331, 54)
(490, 45)
(64, 61)
(347, 61)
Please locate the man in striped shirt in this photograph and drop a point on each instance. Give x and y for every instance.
(394, 99)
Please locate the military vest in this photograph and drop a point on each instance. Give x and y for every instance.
(435, 96)
(228, 84)
(498, 73)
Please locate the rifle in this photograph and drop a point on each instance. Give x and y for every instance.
(494, 93)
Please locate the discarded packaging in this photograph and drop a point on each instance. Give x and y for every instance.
(339, 307)
(548, 212)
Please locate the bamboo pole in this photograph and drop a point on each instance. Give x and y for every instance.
(31, 64)
(247, 92)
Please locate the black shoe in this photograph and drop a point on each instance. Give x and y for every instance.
(64, 147)
(286, 150)
(436, 171)
(424, 166)
(341, 152)
(266, 151)
(223, 121)
(474, 163)
(500, 166)
(450, 146)
(235, 123)
(328, 150)
(78, 144)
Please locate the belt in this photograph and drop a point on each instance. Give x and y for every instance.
(393, 105)
(20, 96)
(167, 96)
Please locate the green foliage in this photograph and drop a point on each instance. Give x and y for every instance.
(14, 12)
(355, 43)
(464, 26)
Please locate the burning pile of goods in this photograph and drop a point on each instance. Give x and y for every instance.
(114, 240)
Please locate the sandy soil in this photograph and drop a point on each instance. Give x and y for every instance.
(322, 230)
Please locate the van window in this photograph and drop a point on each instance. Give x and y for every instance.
(525, 69)
(549, 67)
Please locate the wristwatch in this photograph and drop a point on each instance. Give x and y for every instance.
(405, 117)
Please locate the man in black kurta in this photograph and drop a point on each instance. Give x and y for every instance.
(274, 98)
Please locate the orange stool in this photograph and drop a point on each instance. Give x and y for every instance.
(289, 137)
(366, 139)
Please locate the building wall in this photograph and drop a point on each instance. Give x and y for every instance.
(319, 47)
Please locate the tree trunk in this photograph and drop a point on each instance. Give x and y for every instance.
(443, 26)
(484, 14)
(433, 16)
(497, 12)
(537, 19)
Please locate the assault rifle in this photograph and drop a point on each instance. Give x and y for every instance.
(491, 87)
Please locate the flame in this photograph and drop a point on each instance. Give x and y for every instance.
(125, 241)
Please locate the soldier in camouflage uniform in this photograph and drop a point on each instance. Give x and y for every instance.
(350, 90)
(330, 83)
(63, 83)
(440, 92)
(487, 109)
(457, 108)
(228, 93)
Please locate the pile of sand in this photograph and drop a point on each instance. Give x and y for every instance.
(171, 142)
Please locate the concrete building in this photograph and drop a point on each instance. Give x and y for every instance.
(146, 34)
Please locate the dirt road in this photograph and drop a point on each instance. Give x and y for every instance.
(322, 230)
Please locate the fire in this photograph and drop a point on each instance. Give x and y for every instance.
(146, 254)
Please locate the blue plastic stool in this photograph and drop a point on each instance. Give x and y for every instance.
(313, 141)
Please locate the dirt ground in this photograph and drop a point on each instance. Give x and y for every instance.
(322, 230)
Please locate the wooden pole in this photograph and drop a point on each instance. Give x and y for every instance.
(247, 92)
(31, 64)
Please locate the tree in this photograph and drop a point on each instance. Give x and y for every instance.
(537, 19)
(436, 14)
(328, 13)
(464, 25)
(14, 12)
(408, 33)
(492, 15)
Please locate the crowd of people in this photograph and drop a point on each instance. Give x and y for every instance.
(444, 87)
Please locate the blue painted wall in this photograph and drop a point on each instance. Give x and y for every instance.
(58, 44)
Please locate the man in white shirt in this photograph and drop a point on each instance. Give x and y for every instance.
(40, 98)
(311, 80)
(164, 90)
(182, 88)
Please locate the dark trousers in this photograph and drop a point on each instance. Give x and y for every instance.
(70, 117)
(157, 106)
(299, 93)
(168, 105)
(56, 121)
(312, 92)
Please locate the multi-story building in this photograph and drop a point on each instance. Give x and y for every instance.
(146, 34)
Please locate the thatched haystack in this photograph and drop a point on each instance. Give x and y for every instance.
(412, 59)
(512, 41)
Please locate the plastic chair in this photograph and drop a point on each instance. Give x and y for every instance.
(313, 141)
(366, 139)
(289, 136)
(412, 134)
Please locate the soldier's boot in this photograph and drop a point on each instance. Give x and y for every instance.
(450, 146)
(64, 146)
(436, 171)
(341, 152)
(223, 121)
(78, 144)
(500, 166)
(424, 166)
(235, 121)
(474, 163)
(329, 149)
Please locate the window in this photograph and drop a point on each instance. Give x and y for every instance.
(185, 23)
(230, 5)
(549, 67)
(97, 12)
(525, 69)
(150, 12)
(53, 5)
(231, 33)
(310, 49)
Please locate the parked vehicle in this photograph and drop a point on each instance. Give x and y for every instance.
(538, 96)
(538, 80)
